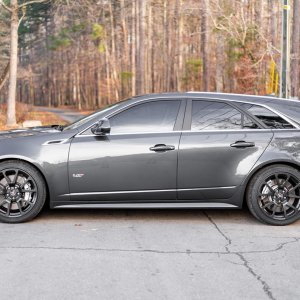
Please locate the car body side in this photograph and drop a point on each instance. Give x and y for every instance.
(49, 152)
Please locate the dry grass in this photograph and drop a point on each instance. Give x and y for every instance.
(27, 112)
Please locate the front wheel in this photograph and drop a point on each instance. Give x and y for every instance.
(22, 192)
(273, 195)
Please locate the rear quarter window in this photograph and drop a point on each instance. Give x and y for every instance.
(266, 116)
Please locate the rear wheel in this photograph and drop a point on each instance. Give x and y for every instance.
(22, 192)
(273, 195)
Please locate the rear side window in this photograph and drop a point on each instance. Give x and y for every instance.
(211, 115)
(156, 116)
(268, 117)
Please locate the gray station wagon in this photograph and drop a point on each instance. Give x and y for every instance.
(173, 150)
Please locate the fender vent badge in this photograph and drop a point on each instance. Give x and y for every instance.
(78, 175)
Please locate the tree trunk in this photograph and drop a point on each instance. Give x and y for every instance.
(4, 76)
(107, 65)
(273, 23)
(140, 79)
(11, 102)
(295, 50)
(203, 29)
(165, 66)
(180, 46)
(133, 49)
(125, 66)
(114, 55)
(258, 15)
(149, 49)
(219, 63)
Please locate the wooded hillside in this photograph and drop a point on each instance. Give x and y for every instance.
(91, 53)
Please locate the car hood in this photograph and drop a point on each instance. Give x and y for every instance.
(27, 132)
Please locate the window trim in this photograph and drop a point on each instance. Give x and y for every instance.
(186, 99)
(185, 131)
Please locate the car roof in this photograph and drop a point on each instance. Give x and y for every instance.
(287, 107)
(247, 98)
(223, 96)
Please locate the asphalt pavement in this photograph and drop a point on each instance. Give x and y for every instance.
(149, 254)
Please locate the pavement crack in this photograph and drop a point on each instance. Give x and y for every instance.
(220, 231)
(264, 284)
(116, 250)
(281, 245)
(187, 251)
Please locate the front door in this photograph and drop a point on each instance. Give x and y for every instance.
(137, 161)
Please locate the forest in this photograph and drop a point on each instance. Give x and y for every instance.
(90, 53)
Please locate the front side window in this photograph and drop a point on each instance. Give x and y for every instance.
(211, 115)
(155, 116)
(268, 117)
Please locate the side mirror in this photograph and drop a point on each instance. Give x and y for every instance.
(101, 128)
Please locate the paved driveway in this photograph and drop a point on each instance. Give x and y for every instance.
(67, 115)
(150, 254)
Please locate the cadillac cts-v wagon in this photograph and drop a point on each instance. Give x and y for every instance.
(174, 150)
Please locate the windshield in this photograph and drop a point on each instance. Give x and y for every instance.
(86, 119)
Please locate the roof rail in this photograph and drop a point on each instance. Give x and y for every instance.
(245, 95)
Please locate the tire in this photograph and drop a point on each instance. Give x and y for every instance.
(273, 195)
(22, 192)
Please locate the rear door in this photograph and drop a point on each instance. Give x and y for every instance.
(217, 150)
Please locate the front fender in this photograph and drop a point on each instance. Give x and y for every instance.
(51, 160)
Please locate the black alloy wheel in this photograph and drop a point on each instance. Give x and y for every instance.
(22, 192)
(273, 195)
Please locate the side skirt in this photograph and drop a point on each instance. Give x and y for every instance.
(145, 205)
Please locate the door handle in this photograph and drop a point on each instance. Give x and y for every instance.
(242, 144)
(162, 148)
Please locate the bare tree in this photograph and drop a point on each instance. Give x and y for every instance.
(140, 76)
(13, 66)
(203, 30)
(88, 53)
(295, 51)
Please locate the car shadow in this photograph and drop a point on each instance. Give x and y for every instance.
(145, 214)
